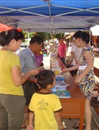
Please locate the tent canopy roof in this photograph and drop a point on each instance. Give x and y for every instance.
(53, 16)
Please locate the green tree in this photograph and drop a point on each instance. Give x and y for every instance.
(44, 35)
(25, 33)
(60, 35)
(31, 34)
(48, 36)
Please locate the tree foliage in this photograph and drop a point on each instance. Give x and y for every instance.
(25, 33)
(31, 34)
(44, 35)
(48, 36)
(60, 35)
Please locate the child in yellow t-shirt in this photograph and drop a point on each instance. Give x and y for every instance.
(44, 105)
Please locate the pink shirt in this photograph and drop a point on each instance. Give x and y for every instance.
(61, 49)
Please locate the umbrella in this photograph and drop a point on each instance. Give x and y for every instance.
(95, 30)
(4, 27)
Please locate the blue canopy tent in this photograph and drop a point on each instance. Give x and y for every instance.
(50, 15)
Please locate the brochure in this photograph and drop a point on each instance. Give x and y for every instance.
(60, 91)
(59, 78)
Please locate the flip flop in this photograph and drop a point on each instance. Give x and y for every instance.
(76, 126)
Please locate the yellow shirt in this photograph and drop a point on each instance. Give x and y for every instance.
(7, 61)
(44, 106)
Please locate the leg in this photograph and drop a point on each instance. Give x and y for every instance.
(29, 88)
(88, 114)
(15, 107)
(26, 114)
(95, 95)
(3, 117)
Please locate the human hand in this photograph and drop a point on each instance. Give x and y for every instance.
(35, 71)
(22, 74)
(61, 127)
(64, 70)
(78, 79)
(41, 68)
(30, 127)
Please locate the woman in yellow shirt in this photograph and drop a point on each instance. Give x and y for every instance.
(12, 99)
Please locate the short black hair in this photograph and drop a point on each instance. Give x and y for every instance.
(83, 35)
(45, 77)
(36, 39)
(7, 36)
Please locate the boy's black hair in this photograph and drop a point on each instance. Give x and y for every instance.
(45, 77)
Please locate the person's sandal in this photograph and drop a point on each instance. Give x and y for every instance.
(76, 126)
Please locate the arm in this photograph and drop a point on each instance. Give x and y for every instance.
(71, 68)
(30, 126)
(74, 57)
(88, 56)
(58, 119)
(18, 79)
(31, 114)
(64, 53)
(57, 53)
(34, 80)
(73, 49)
(64, 50)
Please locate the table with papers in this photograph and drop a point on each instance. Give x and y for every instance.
(70, 95)
(60, 87)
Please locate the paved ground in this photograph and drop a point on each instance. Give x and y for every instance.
(69, 124)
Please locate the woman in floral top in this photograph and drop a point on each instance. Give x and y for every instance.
(85, 74)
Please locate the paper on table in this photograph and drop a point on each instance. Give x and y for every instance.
(61, 87)
(61, 91)
(63, 83)
(59, 75)
(60, 79)
(58, 68)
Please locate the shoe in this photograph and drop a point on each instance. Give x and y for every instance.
(76, 126)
